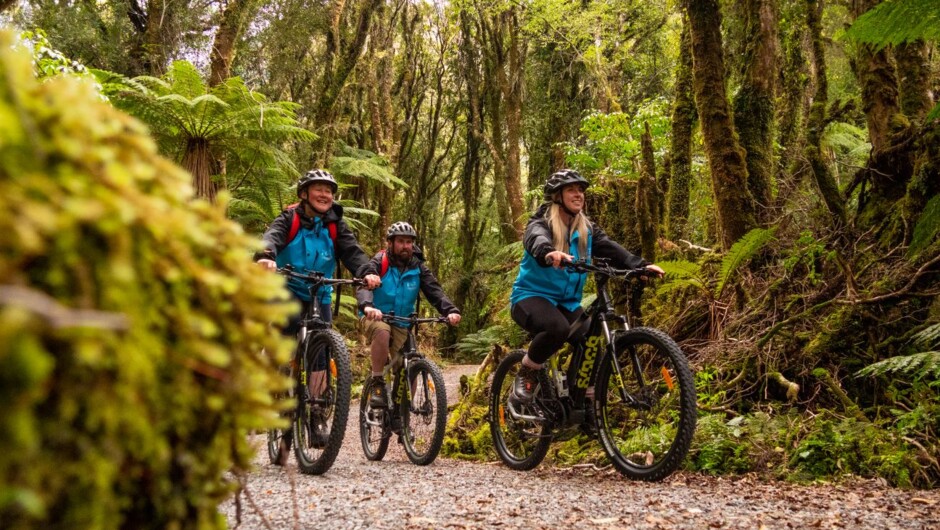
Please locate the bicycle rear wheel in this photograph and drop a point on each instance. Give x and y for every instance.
(520, 441)
(424, 417)
(320, 422)
(374, 428)
(646, 412)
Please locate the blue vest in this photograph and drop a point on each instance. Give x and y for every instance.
(311, 250)
(398, 292)
(559, 286)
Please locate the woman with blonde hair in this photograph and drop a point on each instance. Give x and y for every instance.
(546, 296)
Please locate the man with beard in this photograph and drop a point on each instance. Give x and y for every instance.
(403, 272)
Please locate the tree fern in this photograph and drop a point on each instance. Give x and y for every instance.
(207, 129)
(896, 22)
(741, 252)
(925, 231)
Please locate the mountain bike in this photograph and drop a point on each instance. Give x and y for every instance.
(644, 403)
(322, 382)
(416, 411)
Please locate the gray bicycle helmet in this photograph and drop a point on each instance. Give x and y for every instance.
(400, 228)
(316, 175)
(562, 178)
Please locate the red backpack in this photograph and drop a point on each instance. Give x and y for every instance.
(295, 226)
(384, 268)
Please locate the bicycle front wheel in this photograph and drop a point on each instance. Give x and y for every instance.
(424, 416)
(646, 411)
(323, 406)
(374, 428)
(521, 434)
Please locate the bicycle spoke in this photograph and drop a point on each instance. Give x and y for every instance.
(648, 407)
(424, 416)
(520, 440)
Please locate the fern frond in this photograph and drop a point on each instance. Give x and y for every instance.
(927, 227)
(680, 269)
(928, 338)
(740, 252)
(897, 22)
(670, 286)
(186, 80)
(924, 364)
(933, 114)
(480, 343)
(374, 168)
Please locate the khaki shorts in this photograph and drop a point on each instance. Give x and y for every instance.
(398, 335)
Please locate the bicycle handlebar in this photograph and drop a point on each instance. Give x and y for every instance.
(319, 278)
(412, 319)
(604, 269)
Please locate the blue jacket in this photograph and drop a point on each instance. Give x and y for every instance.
(312, 249)
(560, 286)
(400, 286)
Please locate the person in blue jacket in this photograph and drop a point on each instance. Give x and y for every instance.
(403, 275)
(311, 236)
(546, 296)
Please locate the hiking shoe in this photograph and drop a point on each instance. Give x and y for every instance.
(525, 385)
(321, 431)
(378, 396)
(395, 422)
(283, 452)
(589, 425)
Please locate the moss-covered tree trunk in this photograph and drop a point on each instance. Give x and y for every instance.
(472, 223)
(381, 120)
(891, 163)
(794, 97)
(511, 82)
(817, 121)
(680, 153)
(647, 198)
(735, 206)
(754, 101)
(340, 57)
(504, 51)
(235, 17)
(878, 80)
(914, 81)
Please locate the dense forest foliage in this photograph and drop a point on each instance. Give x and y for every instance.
(779, 158)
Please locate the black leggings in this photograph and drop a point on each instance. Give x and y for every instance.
(548, 324)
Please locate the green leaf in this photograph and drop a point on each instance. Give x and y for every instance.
(897, 22)
(925, 231)
(741, 252)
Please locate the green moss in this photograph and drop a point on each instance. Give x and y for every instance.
(135, 349)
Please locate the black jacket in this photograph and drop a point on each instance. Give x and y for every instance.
(429, 285)
(346, 246)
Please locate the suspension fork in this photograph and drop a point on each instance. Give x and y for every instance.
(618, 373)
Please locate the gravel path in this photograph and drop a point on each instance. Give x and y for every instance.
(393, 493)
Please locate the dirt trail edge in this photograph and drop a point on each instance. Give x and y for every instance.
(393, 493)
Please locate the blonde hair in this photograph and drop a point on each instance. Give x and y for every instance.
(561, 233)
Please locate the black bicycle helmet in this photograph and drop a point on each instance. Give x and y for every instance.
(316, 175)
(400, 228)
(562, 178)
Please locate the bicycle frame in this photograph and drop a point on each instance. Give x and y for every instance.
(409, 352)
(312, 321)
(572, 384)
